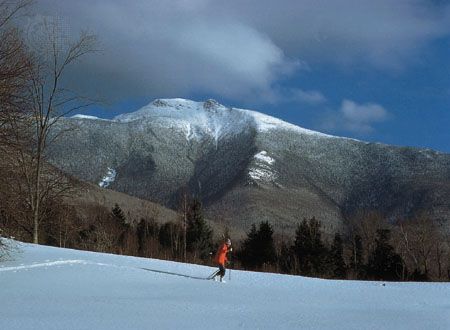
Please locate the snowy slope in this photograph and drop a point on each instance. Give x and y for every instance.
(195, 119)
(210, 117)
(50, 288)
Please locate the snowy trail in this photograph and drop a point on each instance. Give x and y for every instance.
(85, 262)
(50, 288)
(38, 265)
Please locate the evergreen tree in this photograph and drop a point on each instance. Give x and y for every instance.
(267, 246)
(309, 248)
(384, 263)
(248, 253)
(123, 228)
(198, 233)
(118, 214)
(338, 266)
(258, 248)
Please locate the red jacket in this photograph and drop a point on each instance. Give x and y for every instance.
(221, 255)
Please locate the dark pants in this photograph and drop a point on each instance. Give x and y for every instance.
(221, 272)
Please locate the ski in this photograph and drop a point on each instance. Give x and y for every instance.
(211, 277)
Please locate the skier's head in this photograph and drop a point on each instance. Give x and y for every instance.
(228, 242)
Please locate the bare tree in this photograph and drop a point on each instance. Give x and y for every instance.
(421, 243)
(9, 9)
(14, 64)
(446, 238)
(49, 102)
(44, 102)
(440, 252)
(365, 224)
(183, 218)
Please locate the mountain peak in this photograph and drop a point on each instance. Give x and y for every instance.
(176, 109)
(211, 104)
(208, 117)
(174, 102)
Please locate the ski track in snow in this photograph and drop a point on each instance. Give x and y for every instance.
(44, 264)
(59, 263)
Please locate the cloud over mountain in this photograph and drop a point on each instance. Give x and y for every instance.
(355, 118)
(237, 49)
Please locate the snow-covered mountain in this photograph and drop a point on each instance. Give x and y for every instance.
(50, 288)
(197, 119)
(248, 167)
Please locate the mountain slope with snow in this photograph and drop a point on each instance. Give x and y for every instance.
(249, 167)
(51, 288)
(208, 117)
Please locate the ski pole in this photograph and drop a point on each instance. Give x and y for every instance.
(229, 271)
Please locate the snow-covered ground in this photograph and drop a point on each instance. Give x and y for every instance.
(108, 178)
(262, 169)
(50, 288)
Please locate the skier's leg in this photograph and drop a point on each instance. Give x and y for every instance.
(221, 272)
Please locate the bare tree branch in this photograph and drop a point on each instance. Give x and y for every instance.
(10, 9)
(32, 101)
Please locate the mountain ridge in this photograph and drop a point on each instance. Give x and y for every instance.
(247, 167)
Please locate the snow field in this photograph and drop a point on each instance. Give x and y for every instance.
(263, 168)
(51, 288)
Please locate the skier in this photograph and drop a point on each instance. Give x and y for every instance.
(221, 257)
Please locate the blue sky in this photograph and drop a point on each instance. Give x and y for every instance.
(371, 70)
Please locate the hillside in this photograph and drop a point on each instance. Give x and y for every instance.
(247, 167)
(90, 196)
(51, 288)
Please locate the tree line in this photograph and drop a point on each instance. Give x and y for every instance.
(369, 248)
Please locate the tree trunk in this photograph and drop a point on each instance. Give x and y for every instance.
(37, 192)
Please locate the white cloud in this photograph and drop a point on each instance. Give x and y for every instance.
(231, 58)
(152, 49)
(240, 49)
(383, 33)
(312, 97)
(355, 118)
(295, 95)
(363, 113)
